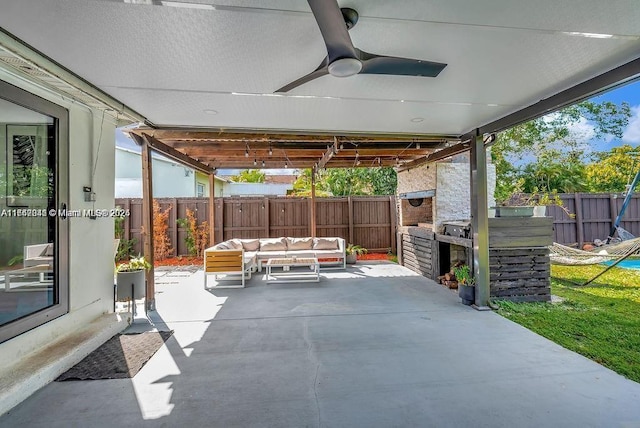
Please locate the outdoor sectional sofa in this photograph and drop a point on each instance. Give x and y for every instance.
(244, 256)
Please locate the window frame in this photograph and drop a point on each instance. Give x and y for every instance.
(60, 117)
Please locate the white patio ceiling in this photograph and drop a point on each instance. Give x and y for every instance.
(174, 64)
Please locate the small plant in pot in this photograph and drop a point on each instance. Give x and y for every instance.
(130, 282)
(466, 284)
(353, 251)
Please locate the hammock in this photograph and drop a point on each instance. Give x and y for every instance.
(563, 255)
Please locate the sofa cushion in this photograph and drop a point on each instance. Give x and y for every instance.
(273, 244)
(301, 254)
(329, 253)
(299, 243)
(250, 244)
(325, 244)
(223, 246)
(271, 255)
(236, 244)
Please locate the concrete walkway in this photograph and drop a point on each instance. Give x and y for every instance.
(375, 346)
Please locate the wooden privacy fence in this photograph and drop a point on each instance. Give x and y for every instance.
(367, 221)
(594, 217)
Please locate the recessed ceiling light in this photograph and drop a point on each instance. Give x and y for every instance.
(209, 111)
(417, 119)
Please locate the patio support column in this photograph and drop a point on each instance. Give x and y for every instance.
(212, 209)
(147, 222)
(480, 220)
(313, 203)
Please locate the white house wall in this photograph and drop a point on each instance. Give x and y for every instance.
(90, 241)
(170, 180)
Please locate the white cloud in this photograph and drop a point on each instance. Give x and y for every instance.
(582, 130)
(631, 134)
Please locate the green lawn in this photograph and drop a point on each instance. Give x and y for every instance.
(600, 321)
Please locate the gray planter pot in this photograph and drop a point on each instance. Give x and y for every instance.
(128, 283)
(351, 259)
(514, 211)
(467, 294)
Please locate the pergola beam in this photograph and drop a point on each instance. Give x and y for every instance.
(439, 155)
(589, 88)
(176, 155)
(178, 134)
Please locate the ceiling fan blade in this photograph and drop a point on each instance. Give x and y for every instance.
(333, 28)
(378, 64)
(318, 72)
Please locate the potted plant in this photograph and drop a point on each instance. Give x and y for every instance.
(130, 278)
(353, 251)
(466, 284)
(521, 204)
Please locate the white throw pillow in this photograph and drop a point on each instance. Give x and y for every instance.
(325, 244)
(299, 243)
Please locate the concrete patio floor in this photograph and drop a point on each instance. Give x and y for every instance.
(373, 346)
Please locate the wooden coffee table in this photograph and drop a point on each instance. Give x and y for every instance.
(284, 273)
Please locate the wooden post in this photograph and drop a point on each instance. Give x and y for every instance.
(265, 217)
(212, 209)
(313, 203)
(127, 219)
(480, 220)
(392, 220)
(147, 223)
(350, 202)
(173, 218)
(220, 218)
(613, 208)
(579, 223)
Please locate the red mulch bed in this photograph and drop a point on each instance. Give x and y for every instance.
(179, 261)
(375, 256)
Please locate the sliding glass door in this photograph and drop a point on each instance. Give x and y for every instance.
(33, 279)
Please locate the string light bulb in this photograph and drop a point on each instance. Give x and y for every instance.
(263, 164)
(270, 150)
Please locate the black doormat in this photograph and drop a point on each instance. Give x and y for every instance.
(120, 357)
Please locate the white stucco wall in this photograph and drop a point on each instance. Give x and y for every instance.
(170, 179)
(90, 241)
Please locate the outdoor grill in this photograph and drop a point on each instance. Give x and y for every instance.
(458, 229)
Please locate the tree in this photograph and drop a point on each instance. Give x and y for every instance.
(613, 170)
(549, 139)
(249, 176)
(302, 185)
(349, 181)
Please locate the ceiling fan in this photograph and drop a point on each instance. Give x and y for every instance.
(343, 59)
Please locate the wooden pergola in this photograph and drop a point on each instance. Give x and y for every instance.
(209, 150)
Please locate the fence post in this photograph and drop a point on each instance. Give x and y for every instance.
(579, 223)
(613, 208)
(127, 219)
(350, 213)
(174, 228)
(392, 220)
(265, 218)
